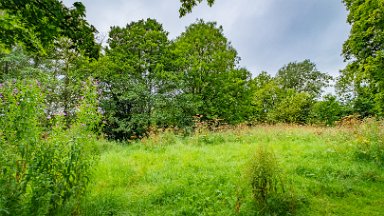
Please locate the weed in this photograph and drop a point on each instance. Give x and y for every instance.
(42, 169)
(268, 187)
(370, 141)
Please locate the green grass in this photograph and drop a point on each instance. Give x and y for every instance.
(208, 174)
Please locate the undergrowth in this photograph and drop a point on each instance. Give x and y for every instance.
(43, 169)
(312, 171)
(269, 188)
(369, 142)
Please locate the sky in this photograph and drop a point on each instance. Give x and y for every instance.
(267, 34)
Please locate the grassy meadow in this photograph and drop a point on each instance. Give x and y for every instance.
(209, 173)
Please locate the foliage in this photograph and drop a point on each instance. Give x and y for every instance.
(147, 81)
(370, 141)
(16, 64)
(303, 77)
(364, 52)
(60, 76)
(327, 111)
(66, 71)
(187, 5)
(266, 95)
(268, 188)
(42, 169)
(234, 97)
(37, 25)
(13, 25)
(206, 67)
(136, 78)
(279, 99)
(294, 107)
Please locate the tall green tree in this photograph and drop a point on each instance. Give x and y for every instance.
(138, 57)
(207, 66)
(364, 51)
(266, 95)
(303, 77)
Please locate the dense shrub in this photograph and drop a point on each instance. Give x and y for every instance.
(42, 168)
(327, 111)
(293, 108)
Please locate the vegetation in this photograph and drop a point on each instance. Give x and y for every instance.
(169, 118)
(268, 188)
(209, 173)
(42, 170)
(187, 5)
(364, 52)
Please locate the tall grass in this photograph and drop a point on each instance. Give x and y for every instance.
(269, 186)
(43, 169)
(189, 176)
(369, 142)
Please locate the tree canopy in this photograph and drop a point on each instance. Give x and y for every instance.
(364, 52)
(137, 56)
(38, 24)
(303, 77)
(208, 64)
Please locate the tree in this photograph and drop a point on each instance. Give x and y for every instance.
(17, 65)
(233, 101)
(303, 77)
(327, 111)
(206, 64)
(294, 107)
(38, 24)
(187, 5)
(138, 60)
(364, 51)
(266, 94)
(66, 71)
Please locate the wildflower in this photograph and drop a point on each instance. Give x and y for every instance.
(100, 110)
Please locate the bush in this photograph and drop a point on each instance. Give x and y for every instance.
(293, 108)
(268, 185)
(327, 111)
(42, 169)
(370, 141)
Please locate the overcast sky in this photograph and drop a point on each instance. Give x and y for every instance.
(266, 33)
